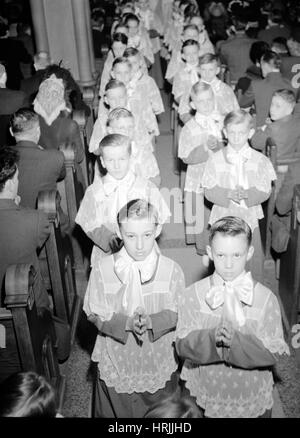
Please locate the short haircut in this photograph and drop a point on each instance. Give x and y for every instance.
(199, 87)
(237, 117)
(114, 140)
(120, 37)
(119, 113)
(189, 43)
(23, 120)
(230, 226)
(190, 26)
(112, 84)
(131, 51)
(130, 17)
(258, 48)
(26, 394)
(209, 58)
(272, 58)
(287, 95)
(281, 43)
(121, 60)
(174, 407)
(137, 209)
(9, 158)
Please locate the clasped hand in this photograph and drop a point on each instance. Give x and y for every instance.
(223, 334)
(140, 322)
(237, 194)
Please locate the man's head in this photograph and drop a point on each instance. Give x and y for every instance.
(258, 48)
(121, 121)
(190, 52)
(25, 125)
(115, 94)
(121, 70)
(9, 181)
(209, 67)
(230, 246)
(282, 104)
(115, 154)
(3, 76)
(202, 98)
(41, 60)
(238, 128)
(138, 224)
(270, 62)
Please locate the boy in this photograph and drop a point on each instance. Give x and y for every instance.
(209, 68)
(97, 214)
(229, 330)
(138, 37)
(132, 299)
(237, 180)
(121, 121)
(200, 137)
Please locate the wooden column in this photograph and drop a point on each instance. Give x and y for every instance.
(39, 24)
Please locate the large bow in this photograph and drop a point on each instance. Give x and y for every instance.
(132, 274)
(212, 123)
(238, 170)
(192, 70)
(231, 294)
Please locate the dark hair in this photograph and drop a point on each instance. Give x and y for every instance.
(131, 51)
(8, 164)
(120, 60)
(137, 208)
(286, 95)
(209, 58)
(26, 394)
(238, 116)
(190, 26)
(120, 37)
(257, 50)
(114, 140)
(23, 120)
(189, 43)
(112, 84)
(130, 17)
(281, 42)
(230, 226)
(272, 59)
(174, 407)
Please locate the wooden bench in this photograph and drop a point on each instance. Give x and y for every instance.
(86, 165)
(30, 339)
(67, 303)
(289, 280)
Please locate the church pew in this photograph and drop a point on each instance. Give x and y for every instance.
(80, 118)
(30, 339)
(67, 303)
(289, 280)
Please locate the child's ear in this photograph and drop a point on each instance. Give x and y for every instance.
(218, 70)
(225, 133)
(251, 133)
(209, 252)
(102, 162)
(250, 252)
(158, 230)
(192, 105)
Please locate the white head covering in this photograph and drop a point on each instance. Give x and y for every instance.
(50, 100)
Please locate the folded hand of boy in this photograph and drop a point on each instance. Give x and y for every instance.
(224, 333)
(242, 193)
(212, 142)
(234, 195)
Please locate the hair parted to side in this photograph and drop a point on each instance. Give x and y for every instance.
(287, 95)
(137, 209)
(121, 60)
(113, 84)
(199, 87)
(26, 394)
(131, 51)
(209, 58)
(23, 120)
(119, 113)
(237, 117)
(8, 164)
(120, 37)
(272, 58)
(174, 407)
(189, 43)
(230, 226)
(131, 17)
(114, 140)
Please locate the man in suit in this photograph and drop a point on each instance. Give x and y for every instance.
(22, 231)
(10, 102)
(30, 86)
(275, 28)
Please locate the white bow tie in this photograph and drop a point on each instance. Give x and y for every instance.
(231, 294)
(193, 72)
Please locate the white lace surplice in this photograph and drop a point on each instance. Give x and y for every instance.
(132, 368)
(221, 390)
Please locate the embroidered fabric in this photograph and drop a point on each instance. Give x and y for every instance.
(50, 100)
(144, 162)
(131, 367)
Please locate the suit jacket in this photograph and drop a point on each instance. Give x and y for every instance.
(22, 231)
(39, 169)
(235, 53)
(270, 33)
(10, 102)
(12, 53)
(31, 85)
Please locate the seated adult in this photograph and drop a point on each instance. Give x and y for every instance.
(275, 28)
(10, 102)
(30, 86)
(39, 169)
(261, 91)
(22, 231)
(279, 46)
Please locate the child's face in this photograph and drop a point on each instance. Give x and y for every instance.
(122, 29)
(138, 236)
(280, 108)
(133, 27)
(229, 254)
(204, 102)
(122, 72)
(238, 134)
(209, 71)
(116, 160)
(197, 21)
(124, 126)
(191, 54)
(118, 48)
(116, 97)
(135, 62)
(190, 34)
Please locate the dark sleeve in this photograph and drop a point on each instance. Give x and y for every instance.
(101, 236)
(256, 197)
(76, 139)
(199, 346)
(162, 323)
(247, 99)
(284, 200)
(61, 166)
(217, 195)
(114, 328)
(258, 141)
(197, 155)
(248, 352)
(43, 228)
(23, 55)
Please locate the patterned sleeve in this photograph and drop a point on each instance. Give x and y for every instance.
(184, 144)
(270, 330)
(209, 179)
(265, 175)
(184, 104)
(155, 97)
(89, 216)
(97, 135)
(189, 314)
(177, 287)
(95, 301)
